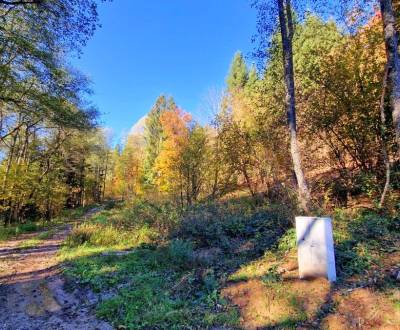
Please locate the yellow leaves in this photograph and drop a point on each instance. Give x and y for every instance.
(176, 138)
(128, 169)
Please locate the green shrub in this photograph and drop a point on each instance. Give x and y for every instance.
(95, 234)
(46, 234)
(109, 205)
(162, 217)
(210, 282)
(81, 234)
(180, 251)
(101, 218)
(28, 227)
(288, 241)
(360, 237)
(272, 276)
(219, 224)
(371, 226)
(349, 260)
(8, 232)
(107, 236)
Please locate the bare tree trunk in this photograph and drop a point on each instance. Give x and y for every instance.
(105, 176)
(248, 181)
(286, 25)
(385, 152)
(393, 61)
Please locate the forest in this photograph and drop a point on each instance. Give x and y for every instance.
(190, 224)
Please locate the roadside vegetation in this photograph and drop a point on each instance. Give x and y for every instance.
(44, 228)
(229, 264)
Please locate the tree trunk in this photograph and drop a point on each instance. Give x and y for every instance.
(383, 136)
(393, 61)
(286, 25)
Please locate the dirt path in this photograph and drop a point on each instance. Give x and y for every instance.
(32, 294)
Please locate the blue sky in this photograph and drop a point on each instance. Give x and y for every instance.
(145, 48)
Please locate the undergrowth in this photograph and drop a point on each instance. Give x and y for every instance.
(31, 227)
(176, 263)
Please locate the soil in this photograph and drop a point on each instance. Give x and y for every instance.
(32, 289)
(322, 305)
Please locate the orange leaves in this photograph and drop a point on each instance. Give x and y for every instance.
(176, 138)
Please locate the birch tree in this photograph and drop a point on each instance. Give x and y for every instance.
(266, 24)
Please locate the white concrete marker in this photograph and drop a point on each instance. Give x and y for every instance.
(316, 256)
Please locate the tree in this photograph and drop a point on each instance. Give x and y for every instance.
(393, 61)
(43, 109)
(285, 12)
(238, 73)
(168, 164)
(70, 22)
(153, 135)
(194, 163)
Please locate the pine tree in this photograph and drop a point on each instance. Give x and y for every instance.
(253, 77)
(154, 135)
(238, 73)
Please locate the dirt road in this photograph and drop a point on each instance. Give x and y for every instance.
(32, 294)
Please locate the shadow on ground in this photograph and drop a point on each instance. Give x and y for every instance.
(32, 289)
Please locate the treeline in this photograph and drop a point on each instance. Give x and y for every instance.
(48, 136)
(315, 125)
(345, 131)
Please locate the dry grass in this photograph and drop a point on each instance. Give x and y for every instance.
(283, 304)
(290, 303)
(363, 309)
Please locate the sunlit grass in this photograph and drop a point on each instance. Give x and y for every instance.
(66, 216)
(150, 295)
(155, 285)
(159, 283)
(46, 234)
(30, 243)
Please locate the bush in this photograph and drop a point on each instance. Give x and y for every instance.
(288, 241)
(352, 259)
(8, 232)
(371, 226)
(219, 224)
(180, 251)
(360, 238)
(28, 227)
(81, 234)
(161, 217)
(210, 282)
(109, 205)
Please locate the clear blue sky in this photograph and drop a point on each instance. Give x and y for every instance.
(145, 48)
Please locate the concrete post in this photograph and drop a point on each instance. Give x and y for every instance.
(316, 256)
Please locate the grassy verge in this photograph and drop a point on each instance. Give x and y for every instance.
(166, 271)
(154, 285)
(30, 243)
(9, 232)
(153, 291)
(31, 227)
(35, 241)
(229, 264)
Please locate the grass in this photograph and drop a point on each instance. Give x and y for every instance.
(152, 289)
(152, 298)
(46, 234)
(30, 243)
(13, 231)
(159, 283)
(156, 283)
(31, 227)
(35, 241)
